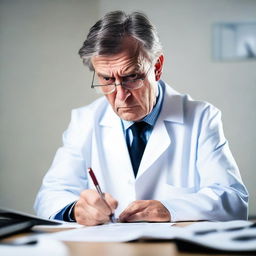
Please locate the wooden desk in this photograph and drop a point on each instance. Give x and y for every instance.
(122, 249)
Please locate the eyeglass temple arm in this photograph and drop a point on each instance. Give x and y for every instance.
(93, 79)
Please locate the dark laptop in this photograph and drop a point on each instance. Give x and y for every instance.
(12, 222)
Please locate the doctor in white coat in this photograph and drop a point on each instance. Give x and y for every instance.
(186, 172)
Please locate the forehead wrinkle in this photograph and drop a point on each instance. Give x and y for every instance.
(121, 66)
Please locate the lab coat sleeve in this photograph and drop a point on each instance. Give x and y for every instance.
(221, 194)
(67, 176)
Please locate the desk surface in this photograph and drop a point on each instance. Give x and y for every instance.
(137, 248)
(122, 249)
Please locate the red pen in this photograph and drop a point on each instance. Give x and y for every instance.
(97, 186)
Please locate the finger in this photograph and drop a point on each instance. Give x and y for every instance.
(148, 210)
(111, 202)
(148, 214)
(93, 199)
(136, 217)
(98, 216)
(89, 216)
(133, 208)
(87, 212)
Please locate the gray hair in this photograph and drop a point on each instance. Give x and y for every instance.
(105, 37)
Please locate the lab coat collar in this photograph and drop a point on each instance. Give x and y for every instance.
(172, 109)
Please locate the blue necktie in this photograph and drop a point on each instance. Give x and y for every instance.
(137, 148)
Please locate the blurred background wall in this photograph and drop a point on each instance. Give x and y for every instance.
(42, 79)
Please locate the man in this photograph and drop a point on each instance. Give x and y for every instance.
(159, 155)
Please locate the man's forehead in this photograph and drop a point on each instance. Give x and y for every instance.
(123, 62)
(130, 48)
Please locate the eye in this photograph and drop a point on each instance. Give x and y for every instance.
(107, 80)
(131, 77)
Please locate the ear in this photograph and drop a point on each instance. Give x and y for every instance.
(159, 67)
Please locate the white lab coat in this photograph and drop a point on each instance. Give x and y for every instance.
(187, 164)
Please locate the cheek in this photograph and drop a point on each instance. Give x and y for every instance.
(149, 98)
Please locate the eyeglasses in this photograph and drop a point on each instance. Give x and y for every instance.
(107, 85)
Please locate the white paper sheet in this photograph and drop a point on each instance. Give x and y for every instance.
(117, 232)
(226, 236)
(220, 225)
(63, 225)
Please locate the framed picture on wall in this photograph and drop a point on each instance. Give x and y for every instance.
(234, 41)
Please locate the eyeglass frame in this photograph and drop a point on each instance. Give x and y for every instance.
(121, 84)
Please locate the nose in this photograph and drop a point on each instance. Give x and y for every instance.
(122, 93)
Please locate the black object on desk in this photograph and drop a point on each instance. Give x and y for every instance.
(12, 222)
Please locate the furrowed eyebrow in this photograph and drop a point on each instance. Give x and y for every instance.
(127, 76)
(134, 72)
(103, 75)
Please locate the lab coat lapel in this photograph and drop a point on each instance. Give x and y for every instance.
(115, 146)
(155, 147)
(160, 140)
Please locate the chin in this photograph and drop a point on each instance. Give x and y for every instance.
(130, 118)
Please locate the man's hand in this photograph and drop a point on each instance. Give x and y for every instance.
(145, 210)
(92, 210)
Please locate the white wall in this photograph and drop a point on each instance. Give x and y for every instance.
(42, 78)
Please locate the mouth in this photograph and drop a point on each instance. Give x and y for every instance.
(126, 108)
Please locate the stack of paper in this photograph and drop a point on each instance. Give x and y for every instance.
(225, 236)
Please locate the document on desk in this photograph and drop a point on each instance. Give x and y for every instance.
(118, 232)
(234, 236)
(230, 236)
